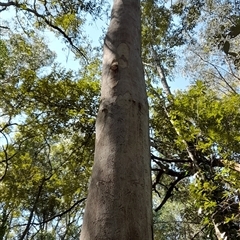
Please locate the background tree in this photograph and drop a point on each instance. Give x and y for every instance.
(47, 137)
(63, 18)
(175, 130)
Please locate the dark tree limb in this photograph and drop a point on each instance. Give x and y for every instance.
(64, 212)
(32, 211)
(57, 215)
(196, 234)
(176, 160)
(158, 177)
(169, 191)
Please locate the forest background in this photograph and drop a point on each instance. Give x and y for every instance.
(48, 112)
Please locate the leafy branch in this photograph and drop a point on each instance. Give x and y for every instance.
(45, 18)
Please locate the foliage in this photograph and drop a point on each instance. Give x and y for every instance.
(194, 134)
(209, 124)
(47, 116)
(213, 55)
(64, 18)
(47, 138)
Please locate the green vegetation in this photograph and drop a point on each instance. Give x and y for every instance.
(48, 112)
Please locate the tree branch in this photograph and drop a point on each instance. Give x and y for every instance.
(48, 22)
(64, 212)
(196, 234)
(176, 160)
(158, 177)
(32, 211)
(169, 191)
(216, 68)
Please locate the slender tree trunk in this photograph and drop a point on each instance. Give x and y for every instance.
(119, 200)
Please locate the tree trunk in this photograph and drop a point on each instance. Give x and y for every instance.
(119, 199)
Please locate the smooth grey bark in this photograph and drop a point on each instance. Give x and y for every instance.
(119, 200)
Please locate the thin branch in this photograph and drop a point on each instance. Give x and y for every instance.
(219, 83)
(169, 172)
(230, 67)
(66, 211)
(158, 177)
(217, 230)
(170, 159)
(6, 166)
(161, 74)
(48, 22)
(196, 234)
(3, 9)
(148, 64)
(55, 216)
(216, 68)
(32, 211)
(170, 190)
(234, 166)
(4, 27)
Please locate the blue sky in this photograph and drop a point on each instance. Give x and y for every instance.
(94, 31)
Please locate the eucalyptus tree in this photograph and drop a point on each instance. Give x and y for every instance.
(48, 116)
(119, 199)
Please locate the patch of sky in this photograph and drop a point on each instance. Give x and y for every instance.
(94, 30)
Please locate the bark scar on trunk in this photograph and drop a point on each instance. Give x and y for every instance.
(114, 65)
(123, 54)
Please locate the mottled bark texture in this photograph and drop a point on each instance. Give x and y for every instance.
(119, 200)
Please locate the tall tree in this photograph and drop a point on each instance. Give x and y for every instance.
(119, 200)
(47, 117)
